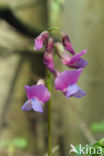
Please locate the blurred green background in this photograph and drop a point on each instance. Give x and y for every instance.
(75, 121)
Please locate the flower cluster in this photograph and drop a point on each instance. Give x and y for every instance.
(65, 81)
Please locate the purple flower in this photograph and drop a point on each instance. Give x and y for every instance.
(37, 95)
(48, 55)
(40, 40)
(75, 61)
(67, 44)
(66, 82)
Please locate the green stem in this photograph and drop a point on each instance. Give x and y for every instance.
(48, 83)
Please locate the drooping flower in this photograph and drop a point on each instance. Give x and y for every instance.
(74, 61)
(66, 82)
(40, 40)
(48, 55)
(37, 95)
(67, 44)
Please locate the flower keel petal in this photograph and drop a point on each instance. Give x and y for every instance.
(27, 106)
(81, 63)
(36, 105)
(71, 90)
(79, 93)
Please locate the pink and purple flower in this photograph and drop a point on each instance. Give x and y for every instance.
(74, 61)
(66, 82)
(48, 55)
(37, 95)
(40, 40)
(67, 44)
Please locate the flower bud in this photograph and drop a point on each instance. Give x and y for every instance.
(67, 44)
(48, 55)
(40, 40)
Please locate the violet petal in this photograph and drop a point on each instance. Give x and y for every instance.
(81, 63)
(72, 89)
(79, 93)
(28, 91)
(40, 92)
(66, 78)
(36, 105)
(27, 106)
(77, 56)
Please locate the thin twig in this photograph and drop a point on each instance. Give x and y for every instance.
(82, 124)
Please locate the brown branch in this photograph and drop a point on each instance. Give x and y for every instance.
(7, 15)
(29, 4)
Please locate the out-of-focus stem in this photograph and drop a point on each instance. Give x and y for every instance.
(48, 83)
(83, 126)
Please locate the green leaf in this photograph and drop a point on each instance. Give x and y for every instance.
(98, 127)
(20, 143)
(101, 142)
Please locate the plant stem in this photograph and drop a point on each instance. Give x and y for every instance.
(48, 83)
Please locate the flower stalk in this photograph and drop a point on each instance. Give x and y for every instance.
(48, 84)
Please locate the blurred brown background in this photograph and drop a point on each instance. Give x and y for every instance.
(20, 22)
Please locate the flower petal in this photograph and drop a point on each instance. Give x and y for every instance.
(40, 40)
(40, 92)
(75, 91)
(36, 105)
(74, 61)
(48, 55)
(48, 61)
(50, 45)
(77, 56)
(38, 44)
(67, 44)
(79, 93)
(66, 78)
(81, 63)
(28, 91)
(65, 58)
(71, 90)
(27, 106)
